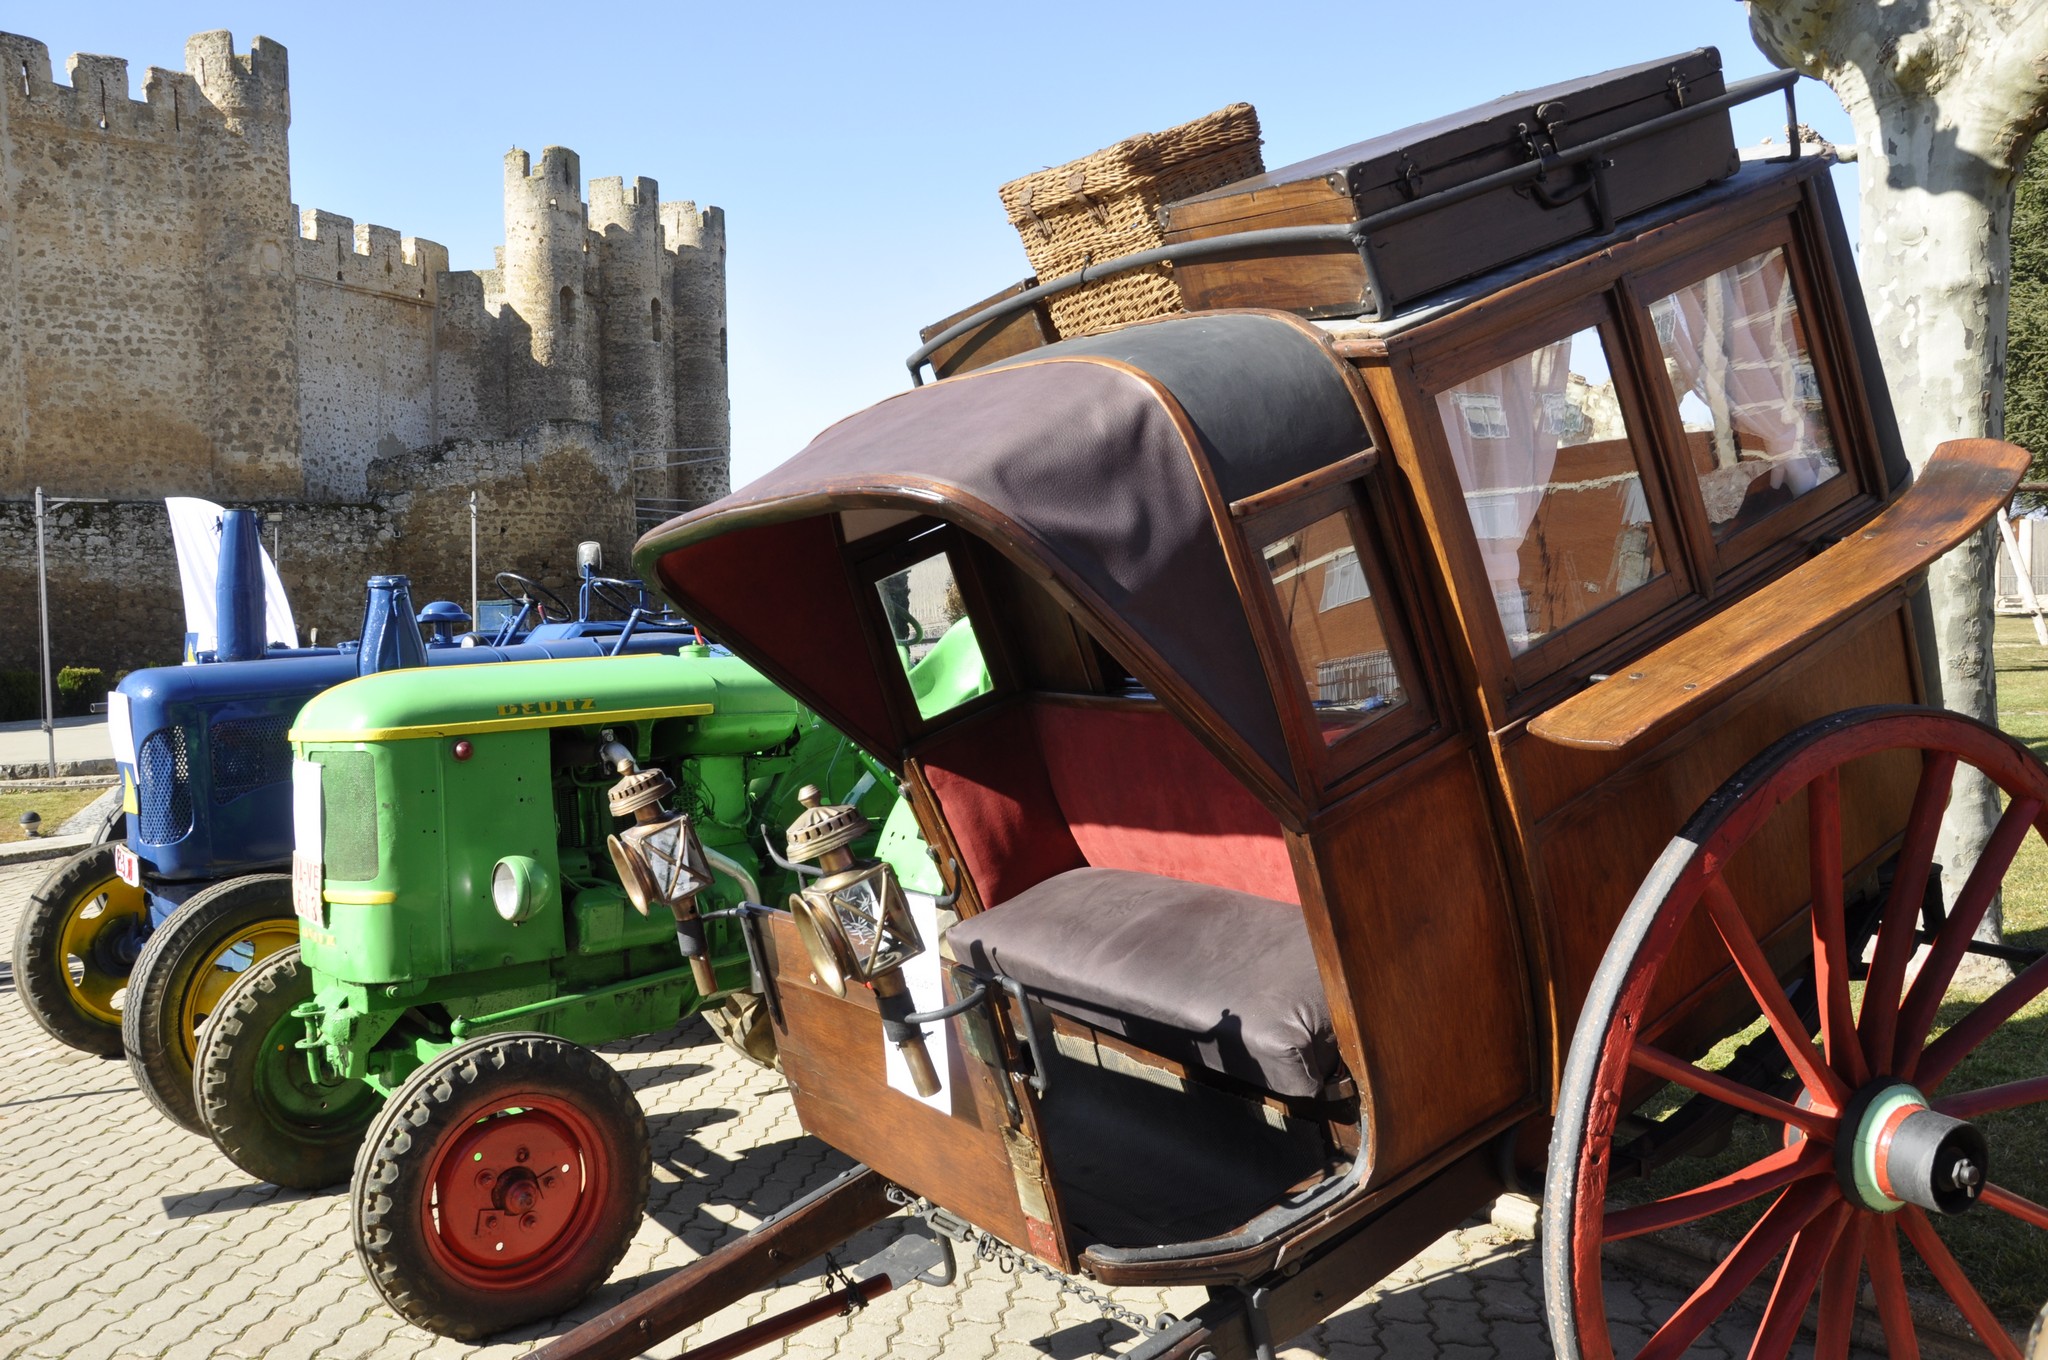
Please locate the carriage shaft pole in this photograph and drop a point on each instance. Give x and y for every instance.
(801, 1233)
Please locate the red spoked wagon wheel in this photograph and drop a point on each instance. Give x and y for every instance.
(1875, 1146)
(500, 1184)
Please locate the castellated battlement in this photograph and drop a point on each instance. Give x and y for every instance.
(685, 227)
(96, 101)
(256, 83)
(335, 249)
(246, 87)
(556, 183)
(613, 202)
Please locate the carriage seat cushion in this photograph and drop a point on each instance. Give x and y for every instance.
(1209, 976)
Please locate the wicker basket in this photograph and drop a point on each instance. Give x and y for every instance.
(1107, 204)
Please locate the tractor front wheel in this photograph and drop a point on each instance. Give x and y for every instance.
(500, 1184)
(186, 968)
(258, 1098)
(76, 942)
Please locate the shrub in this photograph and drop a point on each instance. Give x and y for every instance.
(79, 688)
(21, 696)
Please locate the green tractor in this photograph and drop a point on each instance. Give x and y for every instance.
(493, 868)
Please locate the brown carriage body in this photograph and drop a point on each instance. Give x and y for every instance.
(1182, 705)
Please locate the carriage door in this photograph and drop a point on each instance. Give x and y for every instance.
(950, 1117)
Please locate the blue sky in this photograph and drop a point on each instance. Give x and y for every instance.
(857, 149)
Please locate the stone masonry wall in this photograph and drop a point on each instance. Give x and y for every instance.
(171, 324)
(365, 327)
(117, 604)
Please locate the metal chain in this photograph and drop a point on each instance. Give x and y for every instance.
(836, 1277)
(1009, 1260)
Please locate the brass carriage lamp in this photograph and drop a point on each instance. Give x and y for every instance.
(856, 925)
(660, 860)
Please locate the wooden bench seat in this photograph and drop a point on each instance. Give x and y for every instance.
(1207, 976)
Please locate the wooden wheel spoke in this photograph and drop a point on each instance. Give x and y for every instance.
(2019, 1206)
(1917, 1014)
(1797, 1207)
(1837, 1322)
(1796, 1281)
(1770, 994)
(1888, 1280)
(1839, 1042)
(1955, 1284)
(1992, 1099)
(1754, 1181)
(1940, 1057)
(1712, 1084)
(1901, 920)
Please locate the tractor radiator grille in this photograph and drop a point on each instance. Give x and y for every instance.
(249, 754)
(348, 815)
(164, 773)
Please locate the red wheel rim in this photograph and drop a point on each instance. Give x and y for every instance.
(517, 1193)
(1820, 1228)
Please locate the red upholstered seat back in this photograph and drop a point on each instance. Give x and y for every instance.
(1045, 787)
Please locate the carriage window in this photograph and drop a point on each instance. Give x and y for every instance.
(1735, 351)
(933, 634)
(1326, 603)
(1553, 485)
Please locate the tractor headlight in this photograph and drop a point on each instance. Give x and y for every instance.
(519, 887)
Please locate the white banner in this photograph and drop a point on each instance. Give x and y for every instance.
(195, 529)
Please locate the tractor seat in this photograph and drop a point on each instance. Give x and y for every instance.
(1209, 976)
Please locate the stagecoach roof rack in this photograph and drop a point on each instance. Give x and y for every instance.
(1758, 162)
(1359, 231)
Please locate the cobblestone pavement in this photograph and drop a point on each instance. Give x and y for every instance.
(122, 1235)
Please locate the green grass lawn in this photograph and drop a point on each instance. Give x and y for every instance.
(2005, 1259)
(52, 805)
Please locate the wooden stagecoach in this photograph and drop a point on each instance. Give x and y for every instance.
(1310, 860)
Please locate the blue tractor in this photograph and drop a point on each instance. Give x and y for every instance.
(128, 945)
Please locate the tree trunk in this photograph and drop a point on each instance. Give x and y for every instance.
(1946, 96)
(1936, 251)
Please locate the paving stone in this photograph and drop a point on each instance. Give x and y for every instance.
(182, 1255)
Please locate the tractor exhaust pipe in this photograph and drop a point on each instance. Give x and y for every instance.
(240, 634)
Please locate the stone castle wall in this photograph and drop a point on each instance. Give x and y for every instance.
(171, 324)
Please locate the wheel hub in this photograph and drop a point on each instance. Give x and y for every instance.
(1894, 1151)
(509, 1188)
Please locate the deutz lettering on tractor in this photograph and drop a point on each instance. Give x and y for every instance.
(493, 868)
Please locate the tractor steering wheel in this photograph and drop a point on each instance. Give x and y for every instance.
(623, 596)
(526, 590)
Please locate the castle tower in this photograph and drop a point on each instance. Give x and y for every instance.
(13, 374)
(637, 328)
(244, 173)
(547, 279)
(703, 415)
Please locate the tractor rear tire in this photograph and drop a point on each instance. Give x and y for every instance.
(188, 965)
(256, 1095)
(742, 1022)
(73, 948)
(500, 1184)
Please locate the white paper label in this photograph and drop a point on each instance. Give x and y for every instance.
(307, 875)
(120, 728)
(127, 868)
(921, 975)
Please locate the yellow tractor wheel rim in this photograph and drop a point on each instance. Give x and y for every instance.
(103, 909)
(218, 971)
